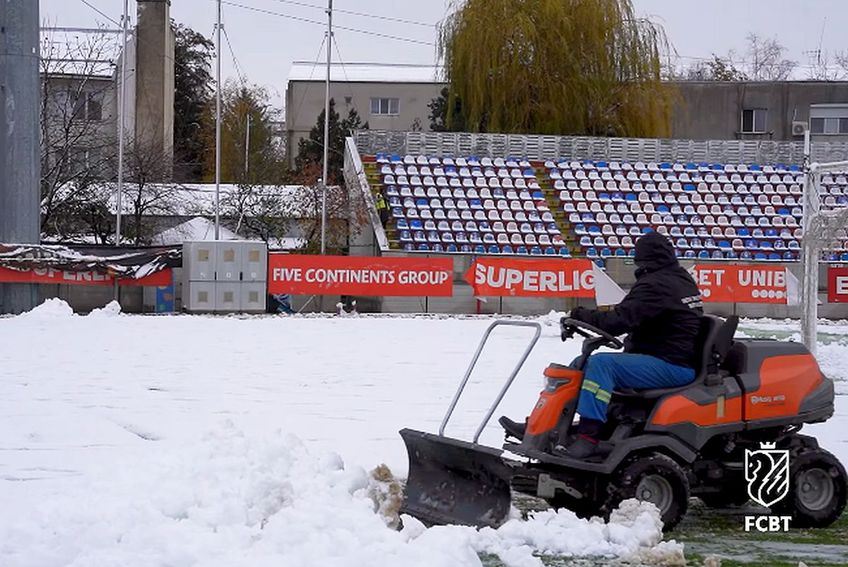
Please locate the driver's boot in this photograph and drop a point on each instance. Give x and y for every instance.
(585, 443)
(513, 428)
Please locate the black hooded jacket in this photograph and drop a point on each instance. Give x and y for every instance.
(663, 309)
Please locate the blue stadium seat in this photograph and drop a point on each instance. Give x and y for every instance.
(758, 255)
(606, 252)
(423, 248)
(535, 251)
(465, 248)
(507, 249)
(479, 249)
(493, 249)
(521, 250)
(451, 248)
(565, 252)
(550, 251)
(704, 255)
(620, 253)
(591, 253)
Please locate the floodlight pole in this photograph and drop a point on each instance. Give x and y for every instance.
(218, 125)
(122, 93)
(326, 128)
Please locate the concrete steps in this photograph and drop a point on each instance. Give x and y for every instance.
(552, 199)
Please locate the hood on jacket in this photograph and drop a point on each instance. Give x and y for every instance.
(654, 251)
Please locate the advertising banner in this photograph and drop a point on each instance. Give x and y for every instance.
(746, 284)
(80, 277)
(837, 284)
(495, 277)
(359, 275)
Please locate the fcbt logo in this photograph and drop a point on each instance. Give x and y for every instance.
(767, 473)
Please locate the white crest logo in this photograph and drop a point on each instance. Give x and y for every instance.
(767, 473)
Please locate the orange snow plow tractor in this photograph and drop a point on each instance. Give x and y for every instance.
(750, 398)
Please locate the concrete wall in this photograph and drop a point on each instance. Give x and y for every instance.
(704, 110)
(154, 70)
(305, 101)
(710, 110)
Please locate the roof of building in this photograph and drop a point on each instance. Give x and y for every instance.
(366, 72)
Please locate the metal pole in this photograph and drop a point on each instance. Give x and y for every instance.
(326, 127)
(20, 166)
(122, 94)
(810, 252)
(247, 146)
(218, 126)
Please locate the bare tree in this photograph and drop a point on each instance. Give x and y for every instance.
(77, 133)
(263, 211)
(765, 61)
(148, 191)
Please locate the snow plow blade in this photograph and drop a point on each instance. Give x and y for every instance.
(455, 482)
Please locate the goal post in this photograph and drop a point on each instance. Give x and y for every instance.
(820, 230)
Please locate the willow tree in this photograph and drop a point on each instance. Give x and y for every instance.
(555, 67)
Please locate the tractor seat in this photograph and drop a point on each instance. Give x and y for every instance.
(716, 336)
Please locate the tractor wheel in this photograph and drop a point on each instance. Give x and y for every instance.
(817, 490)
(654, 478)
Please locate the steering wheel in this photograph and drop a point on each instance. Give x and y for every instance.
(571, 326)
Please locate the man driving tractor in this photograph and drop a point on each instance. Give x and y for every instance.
(662, 316)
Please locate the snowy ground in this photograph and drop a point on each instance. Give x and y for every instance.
(129, 440)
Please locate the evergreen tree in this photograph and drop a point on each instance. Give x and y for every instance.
(310, 151)
(193, 89)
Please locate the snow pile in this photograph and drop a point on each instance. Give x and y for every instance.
(53, 308)
(634, 533)
(238, 500)
(111, 309)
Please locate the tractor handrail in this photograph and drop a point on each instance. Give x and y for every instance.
(509, 381)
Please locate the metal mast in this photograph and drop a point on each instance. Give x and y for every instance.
(326, 127)
(121, 112)
(218, 126)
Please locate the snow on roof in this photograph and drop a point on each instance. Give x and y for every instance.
(366, 72)
(198, 199)
(198, 228)
(87, 52)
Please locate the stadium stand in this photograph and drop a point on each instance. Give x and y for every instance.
(596, 209)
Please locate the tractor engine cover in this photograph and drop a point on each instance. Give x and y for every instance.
(780, 381)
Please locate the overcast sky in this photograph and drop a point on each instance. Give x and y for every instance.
(267, 35)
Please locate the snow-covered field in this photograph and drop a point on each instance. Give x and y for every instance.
(128, 440)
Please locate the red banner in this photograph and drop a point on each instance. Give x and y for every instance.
(55, 276)
(492, 277)
(744, 284)
(837, 284)
(359, 275)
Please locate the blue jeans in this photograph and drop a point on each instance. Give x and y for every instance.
(607, 371)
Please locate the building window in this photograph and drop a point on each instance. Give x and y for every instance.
(87, 106)
(384, 106)
(754, 121)
(829, 125)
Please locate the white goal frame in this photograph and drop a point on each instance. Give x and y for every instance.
(820, 229)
